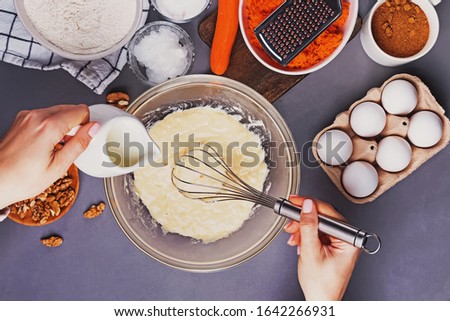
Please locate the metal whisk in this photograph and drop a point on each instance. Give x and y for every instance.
(203, 175)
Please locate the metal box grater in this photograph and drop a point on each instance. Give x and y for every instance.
(294, 25)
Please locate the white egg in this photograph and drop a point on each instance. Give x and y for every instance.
(394, 154)
(334, 147)
(425, 129)
(399, 97)
(360, 179)
(368, 119)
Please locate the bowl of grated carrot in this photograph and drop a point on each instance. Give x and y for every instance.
(317, 55)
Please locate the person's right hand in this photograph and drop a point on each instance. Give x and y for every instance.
(29, 162)
(325, 264)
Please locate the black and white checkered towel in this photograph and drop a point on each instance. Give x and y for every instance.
(19, 48)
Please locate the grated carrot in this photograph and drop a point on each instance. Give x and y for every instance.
(321, 48)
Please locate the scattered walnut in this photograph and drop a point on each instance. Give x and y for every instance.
(95, 210)
(52, 241)
(118, 99)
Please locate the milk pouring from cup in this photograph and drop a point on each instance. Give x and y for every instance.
(121, 146)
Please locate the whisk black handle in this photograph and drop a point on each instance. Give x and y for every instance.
(333, 227)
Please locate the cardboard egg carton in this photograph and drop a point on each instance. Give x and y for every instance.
(366, 149)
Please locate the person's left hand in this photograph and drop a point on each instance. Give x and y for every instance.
(29, 162)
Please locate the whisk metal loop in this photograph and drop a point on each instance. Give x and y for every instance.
(232, 187)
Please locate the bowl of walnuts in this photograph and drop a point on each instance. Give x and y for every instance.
(50, 205)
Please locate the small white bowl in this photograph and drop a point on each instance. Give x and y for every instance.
(377, 54)
(174, 20)
(265, 59)
(21, 12)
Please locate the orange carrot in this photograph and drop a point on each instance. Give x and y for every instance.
(225, 35)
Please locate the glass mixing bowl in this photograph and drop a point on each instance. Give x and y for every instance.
(283, 180)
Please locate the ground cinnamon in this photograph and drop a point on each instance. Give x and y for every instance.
(400, 28)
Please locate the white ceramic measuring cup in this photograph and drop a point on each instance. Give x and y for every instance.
(379, 56)
(121, 146)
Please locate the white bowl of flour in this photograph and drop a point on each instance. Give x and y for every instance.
(81, 29)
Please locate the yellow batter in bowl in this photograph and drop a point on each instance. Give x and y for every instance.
(207, 222)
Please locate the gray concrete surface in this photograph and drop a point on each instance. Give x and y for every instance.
(97, 262)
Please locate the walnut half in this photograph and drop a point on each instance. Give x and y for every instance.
(95, 210)
(118, 99)
(52, 241)
(65, 197)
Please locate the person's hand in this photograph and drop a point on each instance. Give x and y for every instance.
(325, 264)
(29, 162)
